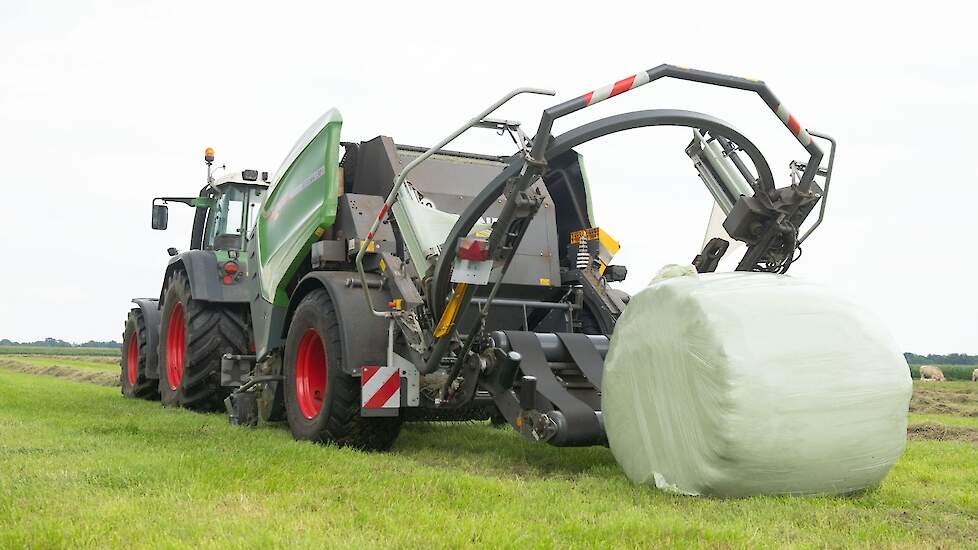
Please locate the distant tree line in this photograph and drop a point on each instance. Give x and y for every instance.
(57, 343)
(949, 359)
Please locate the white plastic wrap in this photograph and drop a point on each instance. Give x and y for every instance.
(740, 384)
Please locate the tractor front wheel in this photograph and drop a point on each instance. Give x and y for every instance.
(322, 401)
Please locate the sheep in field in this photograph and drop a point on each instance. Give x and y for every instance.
(931, 373)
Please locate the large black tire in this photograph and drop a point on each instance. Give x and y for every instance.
(133, 378)
(194, 335)
(333, 415)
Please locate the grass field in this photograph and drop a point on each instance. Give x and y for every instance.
(82, 467)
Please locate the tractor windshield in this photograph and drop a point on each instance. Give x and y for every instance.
(232, 216)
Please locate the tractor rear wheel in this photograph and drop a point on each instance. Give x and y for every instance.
(194, 335)
(133, 378)
(322, 401)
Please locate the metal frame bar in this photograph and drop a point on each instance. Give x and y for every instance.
(551, 114)
(828, 181)
(189, 201)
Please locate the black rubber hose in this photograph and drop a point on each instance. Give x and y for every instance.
(666, 117)
(790, 235)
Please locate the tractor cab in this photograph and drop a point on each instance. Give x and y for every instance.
(226, 208)
(231, 212)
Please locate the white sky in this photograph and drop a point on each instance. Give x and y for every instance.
(104, 105)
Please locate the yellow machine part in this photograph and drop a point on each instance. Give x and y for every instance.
(607, 246)
(451, 310)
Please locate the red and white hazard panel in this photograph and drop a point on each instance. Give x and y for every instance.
(380, 388)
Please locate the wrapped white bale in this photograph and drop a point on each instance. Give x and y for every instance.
(741, 384)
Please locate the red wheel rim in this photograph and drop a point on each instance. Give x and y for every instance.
(175, 340)
(310, 374)
(132, 358)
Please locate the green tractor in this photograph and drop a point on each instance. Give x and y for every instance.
(202, 311)
(372, 283)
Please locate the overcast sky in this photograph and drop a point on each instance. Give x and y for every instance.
(104, 105)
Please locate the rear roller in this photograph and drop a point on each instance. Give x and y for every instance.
(549, 389)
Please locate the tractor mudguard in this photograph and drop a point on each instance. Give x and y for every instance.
(205, 275)
(150, 308)
(364, 334)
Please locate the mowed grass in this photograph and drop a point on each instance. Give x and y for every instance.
(946, 419)
(82, 467)
(45, 350)
(77, 362)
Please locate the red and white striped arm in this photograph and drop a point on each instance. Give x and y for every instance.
(789, 120)
(611, 90)
(642, 78)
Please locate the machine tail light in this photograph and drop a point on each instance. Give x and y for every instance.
(473, 249)
(230, 269)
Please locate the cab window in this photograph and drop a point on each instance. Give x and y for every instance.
(225, 220)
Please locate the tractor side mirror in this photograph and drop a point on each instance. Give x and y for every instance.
(160, 216)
